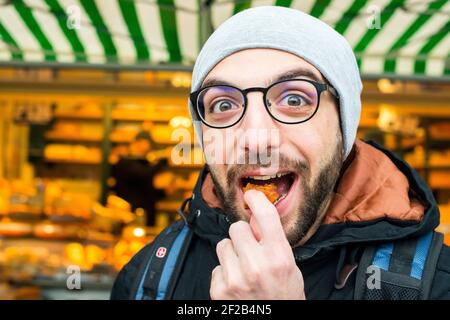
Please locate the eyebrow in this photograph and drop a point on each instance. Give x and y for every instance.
(291, 74)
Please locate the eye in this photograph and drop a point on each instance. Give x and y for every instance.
(222, 106)
(293, 100)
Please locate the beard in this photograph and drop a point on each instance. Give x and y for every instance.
(315, 195)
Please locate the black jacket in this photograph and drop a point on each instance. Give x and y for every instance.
(320, 259)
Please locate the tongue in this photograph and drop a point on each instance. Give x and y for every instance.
(283, 185)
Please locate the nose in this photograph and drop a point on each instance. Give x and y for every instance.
(260, 130)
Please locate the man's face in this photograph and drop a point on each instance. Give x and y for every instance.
(309, 154)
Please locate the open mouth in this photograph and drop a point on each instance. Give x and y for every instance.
(276, 187)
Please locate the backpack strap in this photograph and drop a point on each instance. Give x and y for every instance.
(157, 278)
(405, 269)
(174, 264)
(429, 269)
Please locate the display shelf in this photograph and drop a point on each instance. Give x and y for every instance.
(430, 119)
(439, 186)
(105, 240)
(411, 143)
(25, 216)
(186, 166)
(168, 205)
(41, 216)
(121, 140)
(440, 136)
(432, 168)
(78, 161)
(133, 118)
(58, 239)
(439, 143)
(137, 117)
(434, 141)
(77, 116)
(184, 188)
(72, 138)
(36, 153)
(436, 168)
(170, 143)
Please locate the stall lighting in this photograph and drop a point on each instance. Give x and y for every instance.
(180, 121)
(48, 229)
(387, 118)
(181, 79)
(388, 86)
(138, 232)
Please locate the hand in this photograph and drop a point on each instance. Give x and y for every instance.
(260, 267)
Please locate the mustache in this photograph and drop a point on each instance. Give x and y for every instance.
(302, 168)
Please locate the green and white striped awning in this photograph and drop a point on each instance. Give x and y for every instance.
(411, 39)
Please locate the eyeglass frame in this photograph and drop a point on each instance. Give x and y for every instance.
(320, 87)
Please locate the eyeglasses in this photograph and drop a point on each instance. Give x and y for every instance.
(288, 101)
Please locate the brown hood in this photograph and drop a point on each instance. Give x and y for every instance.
(371, 188)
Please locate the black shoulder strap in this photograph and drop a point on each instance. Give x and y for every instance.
(400, 270)
(157, 277)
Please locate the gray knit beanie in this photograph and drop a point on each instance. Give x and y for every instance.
(295, 32)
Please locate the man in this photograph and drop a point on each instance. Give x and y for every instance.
(342, 206)
(133, 176)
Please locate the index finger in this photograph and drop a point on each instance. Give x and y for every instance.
(266, 216)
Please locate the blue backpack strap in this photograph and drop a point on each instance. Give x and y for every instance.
(420, 255)
(136, 288)
(405, 257)
(434, 250)
(137, 292)
(173, 264)
(382, 256)
(406, 268)
(160, 273)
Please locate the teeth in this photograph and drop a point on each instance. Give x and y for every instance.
(261, 177)
(267, 177)
(279, 199)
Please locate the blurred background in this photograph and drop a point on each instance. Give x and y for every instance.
(92, 91)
